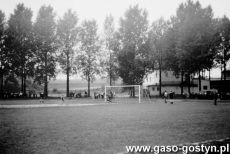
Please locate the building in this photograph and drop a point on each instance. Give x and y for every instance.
(223, 86)
(226, 73)
(172, 82)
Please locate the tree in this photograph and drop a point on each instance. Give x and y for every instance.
(223, 43)
(44, 30)
(194, 33)
(170, 55)
(133, 38)
(89, 48)
(67, 37)
(18, 43)
(4, 63)
(111, 43)
(157, 38)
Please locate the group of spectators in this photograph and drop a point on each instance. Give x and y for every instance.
(12, 95)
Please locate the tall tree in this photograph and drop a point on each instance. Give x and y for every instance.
(170, 56)
(157, 37)
(223, 43)
(110, 62)
(194, 38)
(3, 54)
(133, 38)
(89, 48)
(19, 43)
(67, 32)
(44, 30)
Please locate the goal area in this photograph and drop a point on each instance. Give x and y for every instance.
(123, 93)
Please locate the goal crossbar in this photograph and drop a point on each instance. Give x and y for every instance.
(125, 86)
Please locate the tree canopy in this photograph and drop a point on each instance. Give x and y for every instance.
(67, 32)
(133, 37)
(46, 45)
(19, 44)
(87, 58)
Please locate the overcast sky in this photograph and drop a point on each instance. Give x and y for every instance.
(99, 9)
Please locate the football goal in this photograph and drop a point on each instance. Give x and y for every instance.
(123, 93)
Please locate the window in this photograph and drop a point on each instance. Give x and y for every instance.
(153, 88)
(205, 87)
(158, 88)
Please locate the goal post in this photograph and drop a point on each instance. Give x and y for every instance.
(111, 88)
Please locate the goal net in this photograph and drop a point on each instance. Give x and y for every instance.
(123, 94)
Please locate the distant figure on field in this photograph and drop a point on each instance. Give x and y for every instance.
(62, 98)
(110, 96)
(215, 98)
(171, 94)
(165, 96)
(86, 94)
(41, 97)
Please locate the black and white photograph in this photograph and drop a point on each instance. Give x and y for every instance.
(114, 77)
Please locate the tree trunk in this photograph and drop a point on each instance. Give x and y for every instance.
(160, 77)
(221, 74)
(133, 91)
(88, 86)
(224, 72)
(1, 88)
(199, 82)
(67, 75)
(46, 78)
(189, 85)
(224, 64)
(110, 69)
(22, 83)
(209, 75)
(24, 92)
(110, 78)
(182, 82)
(67, 84)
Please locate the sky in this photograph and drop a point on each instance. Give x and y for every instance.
(99, 9)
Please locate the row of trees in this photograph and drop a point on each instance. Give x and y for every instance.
(188, 43)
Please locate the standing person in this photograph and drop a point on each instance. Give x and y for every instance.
(110, 96)
(215, 98)
(62, 98)
(165, 96)
(41, 97)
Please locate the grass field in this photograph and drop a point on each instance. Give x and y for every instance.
(108, 128)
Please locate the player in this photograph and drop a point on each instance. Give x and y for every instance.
(41, 98)
(110, 96)
(165, 96)
(215, 98)
(62, 98)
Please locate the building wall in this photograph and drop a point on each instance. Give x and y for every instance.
(152, 83)
(166, 76)
(154, 89)
(205, 85)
